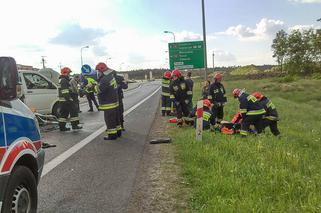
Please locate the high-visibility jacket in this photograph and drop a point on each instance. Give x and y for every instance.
(165, 87)
(208, 118)
(64, 88)
(89, 84)
(216, 93)
(249, 105)
(107, 91)
(179, 90)
(271, 113)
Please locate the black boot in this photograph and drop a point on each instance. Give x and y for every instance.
(119, 133)
(64, 129)
(110, 137)
(90, 110)
(76, 127)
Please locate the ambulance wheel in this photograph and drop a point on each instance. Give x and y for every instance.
(56, 110)
(21, 193)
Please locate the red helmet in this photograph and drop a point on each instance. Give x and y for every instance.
(207, 103)
(167, 74)
(101, 67)
(65, 71)
(236, 92)
(218, 76)
(258, 95)
(177, 73)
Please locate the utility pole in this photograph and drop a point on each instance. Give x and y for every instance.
(204, 40)
(43, 61)
(213, 60)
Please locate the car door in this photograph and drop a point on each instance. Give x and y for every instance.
(40, 93)
(3, 145)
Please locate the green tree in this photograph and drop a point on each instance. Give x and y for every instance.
(279, 47)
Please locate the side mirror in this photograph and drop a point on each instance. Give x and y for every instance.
(8, 78)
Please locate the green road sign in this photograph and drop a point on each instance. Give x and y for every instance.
(186, 55)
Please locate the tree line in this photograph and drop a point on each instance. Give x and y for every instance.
(298, 51)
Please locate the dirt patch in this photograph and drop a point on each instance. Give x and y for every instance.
(158, 184)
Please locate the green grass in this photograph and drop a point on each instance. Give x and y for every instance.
(258, 174)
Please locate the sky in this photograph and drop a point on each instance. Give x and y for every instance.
(129, 34)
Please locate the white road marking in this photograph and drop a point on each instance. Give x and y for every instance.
(72, 150)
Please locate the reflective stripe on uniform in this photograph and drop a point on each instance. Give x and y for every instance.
(172, 96)
(165, 85)
(271, 118)
(111, 131)
(119, 128)
(270, 105)
(74, 119)
(206, 116)
(62, 120)
(108, 106)
(65, 91)
(189, 92)
(209, 97)
(62, 99)
(256, 112)
(243, 111)
(243, 132)
(166, 94)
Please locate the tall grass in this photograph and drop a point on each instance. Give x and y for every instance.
(263, 173)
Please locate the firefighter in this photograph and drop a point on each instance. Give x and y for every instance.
(121, 85)
(209, 120)
(67, 105)
(216, 95)
(108, 99)
(271, 117)
(74, 82)
(166, 101)
(89, 84)
(190, 83)
(179, 91)
(251, 110)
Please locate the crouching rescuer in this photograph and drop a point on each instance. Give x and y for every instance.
(179, 91)
(166, 101)
(66, 102)
(108, 99)
(252, 111)
(271, 117)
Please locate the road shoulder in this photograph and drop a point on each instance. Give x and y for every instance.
(158, 183)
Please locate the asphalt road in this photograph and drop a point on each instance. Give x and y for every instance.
(100, 176)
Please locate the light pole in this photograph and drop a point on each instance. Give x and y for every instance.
(170, 33)
(204, 39)
(81, 53)
(213, 60)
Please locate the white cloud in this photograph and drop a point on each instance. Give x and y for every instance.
(301, 27)
(306, 1)
(263, 30)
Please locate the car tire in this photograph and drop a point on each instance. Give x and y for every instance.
(56, 110)
(21, 192)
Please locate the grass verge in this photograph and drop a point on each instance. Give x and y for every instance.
(258, 174)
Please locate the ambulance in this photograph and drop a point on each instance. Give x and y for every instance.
(21, 153)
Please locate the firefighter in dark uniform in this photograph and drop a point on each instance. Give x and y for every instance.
(108, 98)
(190, 84)
(67, 105)
(209, 120)
(121, 85)
(252, 112)
(166, 101)
(179, 91)
(216, 95)
(271, 116)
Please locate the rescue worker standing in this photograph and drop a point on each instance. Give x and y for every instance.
(121, 85)
(271, 117)
(89, 86)
(166, 101)
(179, 91)
(252, 112)
(74, 82)
(66, 102)
(108, 98)
(190, 84)
(216, 95)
